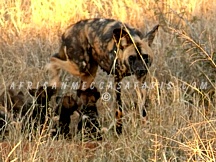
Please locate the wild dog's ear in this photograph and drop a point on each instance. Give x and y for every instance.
(36, 92)
(32, 92)
(122, 38)
(20, 93)
(149, 37)
(51, 91)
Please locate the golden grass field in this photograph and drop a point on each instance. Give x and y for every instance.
(181, 123)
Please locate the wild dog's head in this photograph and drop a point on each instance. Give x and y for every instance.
(12, 101)
(67, 103)
(89, 119)
(88, 96)
(136, 54)
(43, 94)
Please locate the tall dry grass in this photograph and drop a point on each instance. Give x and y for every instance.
(181, 116)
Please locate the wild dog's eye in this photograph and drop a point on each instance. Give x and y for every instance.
(145, 58)
(132, 58)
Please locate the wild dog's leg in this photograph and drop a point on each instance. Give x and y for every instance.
(118, 114)
(142, 103)
(57, 63)
(54, 71)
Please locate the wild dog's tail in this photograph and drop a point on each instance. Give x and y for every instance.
(62, 53)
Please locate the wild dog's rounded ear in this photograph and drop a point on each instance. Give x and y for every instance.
(20, 93)
(149, 37)
(35, 92)
(32, 92)
(122, 38)
(51, 91)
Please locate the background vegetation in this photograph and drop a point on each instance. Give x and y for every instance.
(181, 119)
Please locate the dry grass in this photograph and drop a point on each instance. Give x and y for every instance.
(181, 120)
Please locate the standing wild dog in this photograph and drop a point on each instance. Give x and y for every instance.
(116, 47)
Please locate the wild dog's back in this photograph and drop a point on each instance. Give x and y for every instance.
(95, 37)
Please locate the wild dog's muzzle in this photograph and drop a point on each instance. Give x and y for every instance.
(140, 72)
(139, 65)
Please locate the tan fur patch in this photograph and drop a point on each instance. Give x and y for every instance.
(108, 26)
(67, 65)
(110, 45)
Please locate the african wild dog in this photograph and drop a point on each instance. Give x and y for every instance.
(65, 108)
(39, 112)
(12, 102)
(17, 107)
(12, 105)
(88, 123)
(117, 48)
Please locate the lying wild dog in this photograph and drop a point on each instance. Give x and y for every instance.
(18, 108)
(12, 105)
(88, 124)
(117, 48)
(12, 102)
(39, 113)
(65, 108)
